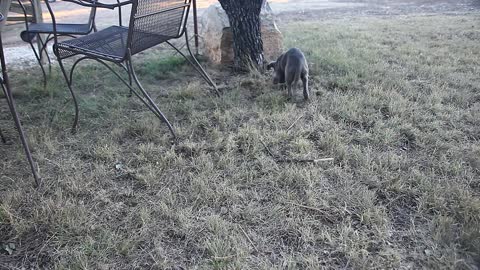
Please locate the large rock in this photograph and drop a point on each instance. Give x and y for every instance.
(217, 38)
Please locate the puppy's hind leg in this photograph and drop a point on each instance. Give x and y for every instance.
(290, 80)
(289, 88)
(306, 94)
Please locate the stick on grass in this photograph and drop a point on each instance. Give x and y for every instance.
(294, 122)
(248, 238)
(314, 209)
(293, 160)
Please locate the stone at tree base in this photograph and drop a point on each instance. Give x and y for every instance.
(217, 38)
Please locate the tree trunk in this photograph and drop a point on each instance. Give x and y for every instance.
(244, 17)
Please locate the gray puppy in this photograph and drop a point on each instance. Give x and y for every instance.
(289, 68)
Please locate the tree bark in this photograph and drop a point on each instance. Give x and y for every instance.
(244, 18)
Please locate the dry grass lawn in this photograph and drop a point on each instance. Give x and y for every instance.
(396, 103)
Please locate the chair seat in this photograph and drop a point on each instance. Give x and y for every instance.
(62, 28)
(47, 28)
(109, 43)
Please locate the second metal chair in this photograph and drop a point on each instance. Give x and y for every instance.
(35, 30)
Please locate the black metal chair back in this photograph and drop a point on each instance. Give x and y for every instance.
(155, 21)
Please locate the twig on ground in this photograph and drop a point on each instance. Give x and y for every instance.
(294, 122)
(224, 257)
(314, 209)
(268, 150)
(54, 113)
(248, 238)
(43, 247)
(53, 162)
(293, 160)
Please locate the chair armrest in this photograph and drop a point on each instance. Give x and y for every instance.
(93, 3)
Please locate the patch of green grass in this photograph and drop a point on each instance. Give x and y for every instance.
(394, 101)
(163, 66)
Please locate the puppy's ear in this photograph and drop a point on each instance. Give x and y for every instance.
(271, 65)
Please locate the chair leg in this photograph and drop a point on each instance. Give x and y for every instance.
(69, 84)
(130, 82)
(39, 60)
(11, 105)
(126, 68)
(44, 49)
(129, 85)
(195, 63)
(75, 65)
(153, 107)
(208, 79)
(131, 75)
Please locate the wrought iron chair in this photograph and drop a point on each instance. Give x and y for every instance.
(152, 22)
(36, 29)
(11, 105)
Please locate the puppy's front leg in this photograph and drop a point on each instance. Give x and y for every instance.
(306, 94)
